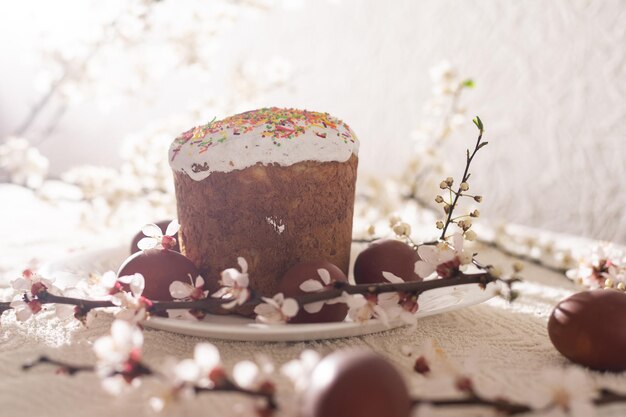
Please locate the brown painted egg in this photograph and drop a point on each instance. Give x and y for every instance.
(324, 273)
(588, 329)
(159, 267)
(163, 226)
(387, 255)
(355, 383)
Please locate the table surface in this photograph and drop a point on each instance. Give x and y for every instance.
(508, 343)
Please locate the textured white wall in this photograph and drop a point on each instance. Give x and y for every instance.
(551, 89)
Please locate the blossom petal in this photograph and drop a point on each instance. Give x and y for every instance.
(389, 276)
(206, 355)
(23, 314)
(429, 253)
(180, 289)
(242, 264)
(424, 269)
(152, 230)
(290, 307)
(108, 279)
(311, 285)
(324, 275)
(199, 282)
(245, 373)
(137, 284)
(20, 284)
(172, 228)
(457, 242)
(147, 243)
(187, 370)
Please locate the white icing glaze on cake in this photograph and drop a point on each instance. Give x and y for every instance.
(266, 136)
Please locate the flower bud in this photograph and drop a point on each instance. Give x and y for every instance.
(470, 235)
(439, 199)
(443, 185)
(478, 198)
(518, 267)
(475, 213)
(495, 271)
(439, 224)
(449, 181)
(621, 286)
(402, 229)
(394, 219)
(371, 230)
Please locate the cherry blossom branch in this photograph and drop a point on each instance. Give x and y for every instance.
(502, 406)
(229, 386)
(336, 291)
(509, 408)
(465, 178)
(223, 385)
(418, 287)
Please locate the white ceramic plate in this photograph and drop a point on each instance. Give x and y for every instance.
(238, 328)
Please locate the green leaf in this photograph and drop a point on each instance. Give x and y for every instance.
(469, 83)
(478, 122)
(482, 144)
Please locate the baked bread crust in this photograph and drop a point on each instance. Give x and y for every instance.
(274, 216)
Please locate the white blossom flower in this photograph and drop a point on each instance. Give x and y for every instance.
(276, 310)
(601, 264)
(31, 284)
(25, 309)
(442, 258)
(100, 286)
(314, 285)
(615, 276)
(183, 291)
(234, 285)
(155, 237)
(254, 375)
(299, 370)
(363, 308)
(134, 307)
(24, 163)
(118, 356)
(182, 376)
(569, 390)
(398, 305)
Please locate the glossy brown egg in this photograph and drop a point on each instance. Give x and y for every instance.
(588, 329)
(293, 279)
(388, 255)
(355, 383)
(163, 226)
(159, 267)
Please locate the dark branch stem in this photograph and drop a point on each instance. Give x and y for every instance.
(465, 177)
(64, 366)
(230, 387)
(417, 287)
(502, 406)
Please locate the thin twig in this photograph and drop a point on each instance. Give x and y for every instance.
(466, 175)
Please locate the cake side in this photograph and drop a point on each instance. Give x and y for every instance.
(274, 216)
(265, 136)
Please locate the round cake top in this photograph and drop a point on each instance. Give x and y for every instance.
(267, 136)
